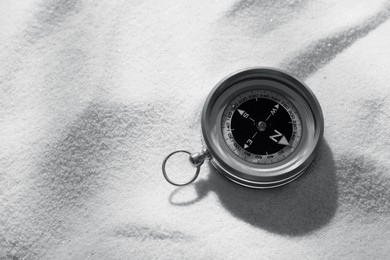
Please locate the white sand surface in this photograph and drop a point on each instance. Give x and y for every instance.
(94, 94)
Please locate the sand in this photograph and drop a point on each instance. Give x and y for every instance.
(95, 94)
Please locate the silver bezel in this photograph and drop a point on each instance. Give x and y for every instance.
(250, 174)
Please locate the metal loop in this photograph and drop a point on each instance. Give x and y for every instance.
(165, 173)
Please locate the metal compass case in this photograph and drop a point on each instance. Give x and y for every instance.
(261, 127)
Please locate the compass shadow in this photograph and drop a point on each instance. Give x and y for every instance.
(296, 209)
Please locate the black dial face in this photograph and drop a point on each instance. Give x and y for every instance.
(261, 126)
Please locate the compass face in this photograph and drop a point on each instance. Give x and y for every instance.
(261, 126)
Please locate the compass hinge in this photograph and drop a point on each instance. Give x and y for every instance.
(198, 158)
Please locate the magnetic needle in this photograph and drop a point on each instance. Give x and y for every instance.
(261, 128)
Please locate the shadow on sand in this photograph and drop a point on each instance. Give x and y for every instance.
(296, 209)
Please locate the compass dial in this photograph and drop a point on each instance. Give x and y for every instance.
(261, 126)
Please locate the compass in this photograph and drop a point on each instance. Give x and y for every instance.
(261, 128)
